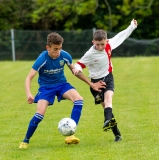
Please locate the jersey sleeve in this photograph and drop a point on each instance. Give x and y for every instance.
(67, 57)
(83, 62)
(121, 36)
(40, 61)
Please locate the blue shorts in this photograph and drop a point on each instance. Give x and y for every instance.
(49, 92)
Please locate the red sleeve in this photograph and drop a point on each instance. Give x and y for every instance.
(81, 64)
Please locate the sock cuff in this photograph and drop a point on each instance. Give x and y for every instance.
(78, 102)
(107, 109)
(39, 116)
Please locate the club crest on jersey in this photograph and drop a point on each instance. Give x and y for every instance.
(61, 62)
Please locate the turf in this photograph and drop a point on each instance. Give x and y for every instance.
(135, 105)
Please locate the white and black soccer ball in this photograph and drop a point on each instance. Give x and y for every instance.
(67, 126)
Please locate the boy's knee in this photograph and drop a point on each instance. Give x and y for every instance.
(79, 98)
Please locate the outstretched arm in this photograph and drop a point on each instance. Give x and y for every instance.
(121, 36)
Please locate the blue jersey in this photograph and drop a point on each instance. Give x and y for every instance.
(51, 71)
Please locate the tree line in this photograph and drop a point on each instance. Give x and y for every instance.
(110, 15)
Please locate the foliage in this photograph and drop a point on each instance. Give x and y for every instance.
(143, 11)
(61, 14)
(110, 15)
(16, 14)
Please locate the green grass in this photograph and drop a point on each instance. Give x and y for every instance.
(135, 105)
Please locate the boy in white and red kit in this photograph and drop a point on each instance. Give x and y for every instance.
(98, 61)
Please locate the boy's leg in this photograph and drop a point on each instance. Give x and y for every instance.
(76, 111)
(116, 131)
(112, 125)
(117, 134)
(37, 118)
(108, 113)
(108, 109)
(71, 94)
(68, 92)
(109, 121)
(75, 115)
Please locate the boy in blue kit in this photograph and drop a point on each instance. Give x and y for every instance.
(52, 82)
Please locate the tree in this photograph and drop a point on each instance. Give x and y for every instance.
(15, 14)
(62, 14)
(110, 15)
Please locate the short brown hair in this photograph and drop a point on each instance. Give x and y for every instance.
(54, 38)
(99, 35)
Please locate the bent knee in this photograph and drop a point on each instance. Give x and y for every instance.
(79, 98)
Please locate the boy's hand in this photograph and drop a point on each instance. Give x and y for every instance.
(134, 23)
(98, 85)
(30, 98)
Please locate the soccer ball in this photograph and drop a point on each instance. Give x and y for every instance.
(67, 126)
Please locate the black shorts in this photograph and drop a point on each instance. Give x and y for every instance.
(99, 96)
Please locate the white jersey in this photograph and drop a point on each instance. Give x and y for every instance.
(99, 62)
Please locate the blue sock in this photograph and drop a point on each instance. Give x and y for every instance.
(32, 126)
(76, 111)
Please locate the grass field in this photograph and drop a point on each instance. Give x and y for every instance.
(135, 105)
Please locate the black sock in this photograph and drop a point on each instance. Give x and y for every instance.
(108, 113)
(115, 129)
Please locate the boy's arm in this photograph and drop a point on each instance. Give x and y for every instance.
(78, 73)
(30, 76)
(96, 86)
(121, 36)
